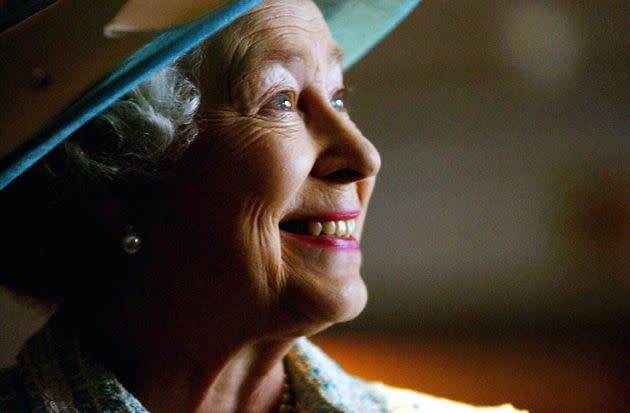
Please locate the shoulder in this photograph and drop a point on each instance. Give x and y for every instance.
(10, 393)
(403, 401)
(321, 385)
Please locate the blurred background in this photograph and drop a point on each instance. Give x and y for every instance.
(497, 251)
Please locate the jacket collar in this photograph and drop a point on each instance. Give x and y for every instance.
(59, 377)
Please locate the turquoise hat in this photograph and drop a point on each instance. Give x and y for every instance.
(46, 96)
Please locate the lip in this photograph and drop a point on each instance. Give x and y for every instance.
(326, 241)
(338, 216)
(333, 216)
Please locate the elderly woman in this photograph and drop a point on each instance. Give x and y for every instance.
(194, 231)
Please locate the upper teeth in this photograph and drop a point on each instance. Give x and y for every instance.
(338, 228)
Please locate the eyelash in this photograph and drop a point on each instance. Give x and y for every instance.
(340, 97)
(286, 101)
(291, 100)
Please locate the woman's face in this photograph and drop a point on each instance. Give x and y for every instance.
(277, 160)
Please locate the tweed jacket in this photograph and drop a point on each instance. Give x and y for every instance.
(54, 375)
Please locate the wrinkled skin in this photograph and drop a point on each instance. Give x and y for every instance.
(225, 291)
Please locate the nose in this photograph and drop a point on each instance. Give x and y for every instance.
(345, 154)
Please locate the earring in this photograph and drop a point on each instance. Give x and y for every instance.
(131, 242)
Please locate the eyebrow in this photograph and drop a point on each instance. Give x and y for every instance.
(281, 56)
(295, 54)
(337, 54)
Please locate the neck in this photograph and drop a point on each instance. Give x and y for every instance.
(244, 376)
(249, 379)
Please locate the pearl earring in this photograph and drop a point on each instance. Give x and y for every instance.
(131, 242)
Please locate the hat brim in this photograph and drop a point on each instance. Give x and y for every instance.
(357, 25)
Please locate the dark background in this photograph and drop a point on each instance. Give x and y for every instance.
(497, 251)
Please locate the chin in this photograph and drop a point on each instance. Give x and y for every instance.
(351, 303)
(314, 307)
(323, 285)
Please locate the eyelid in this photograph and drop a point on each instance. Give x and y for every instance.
(342, 93)
(266, 108)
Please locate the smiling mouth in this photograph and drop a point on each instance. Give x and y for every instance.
(339, 228)
(332, 232)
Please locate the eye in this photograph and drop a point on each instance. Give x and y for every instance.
(280, 104)
(282, 101)
(339, 101)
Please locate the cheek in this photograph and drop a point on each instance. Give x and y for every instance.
(231, 191)
(275, 171)
(248, 163)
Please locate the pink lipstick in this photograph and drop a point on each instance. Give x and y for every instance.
(327, 241)
(330, 231)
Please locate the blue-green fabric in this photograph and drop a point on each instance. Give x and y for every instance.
(356, 25)
(147, 60)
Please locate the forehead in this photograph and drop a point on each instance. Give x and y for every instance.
(283, 30)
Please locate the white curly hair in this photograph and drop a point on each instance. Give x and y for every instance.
(143, 133)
